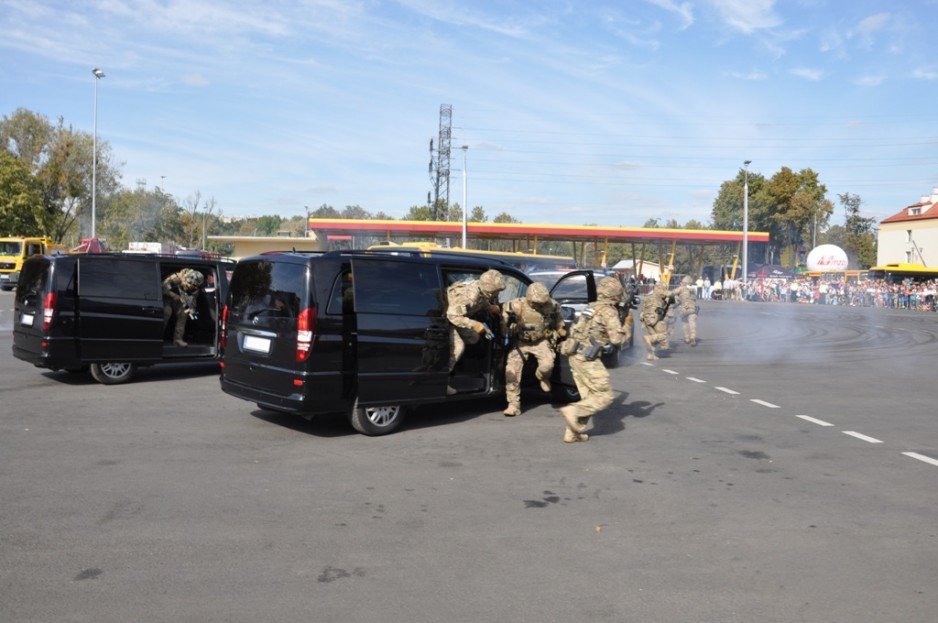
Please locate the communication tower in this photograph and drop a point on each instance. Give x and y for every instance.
(439, 165)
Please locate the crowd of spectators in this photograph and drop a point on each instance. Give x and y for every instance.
(919, 296)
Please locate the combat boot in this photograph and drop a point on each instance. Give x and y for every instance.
(693, 341)
(512, 411)
(179, 342)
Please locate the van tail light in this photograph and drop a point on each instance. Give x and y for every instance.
(48, 310)
(305, 331)
(223, 329)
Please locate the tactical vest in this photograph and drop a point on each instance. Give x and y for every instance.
(588, 325)
(533, 326)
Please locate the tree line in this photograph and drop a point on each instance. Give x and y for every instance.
(46, 180)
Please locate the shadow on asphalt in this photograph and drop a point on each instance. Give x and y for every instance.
(150, 374)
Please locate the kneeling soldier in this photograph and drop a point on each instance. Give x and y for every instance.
(534, 323)
(597, 329)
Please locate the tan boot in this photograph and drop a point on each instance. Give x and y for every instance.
(569, 436)
(651, 356)
(179, 342)
(512, 411)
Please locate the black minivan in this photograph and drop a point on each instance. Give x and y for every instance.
(358, 332)
(105, 312)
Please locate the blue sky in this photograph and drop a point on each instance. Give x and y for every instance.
(574, 112)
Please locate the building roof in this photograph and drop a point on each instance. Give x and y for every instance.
(926, 208)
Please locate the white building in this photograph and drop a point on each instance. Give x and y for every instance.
(910, 236)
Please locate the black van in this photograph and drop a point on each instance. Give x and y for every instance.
(105, 312)
(361, 333)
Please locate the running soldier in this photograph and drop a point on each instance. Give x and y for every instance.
(179, 292)
(687, 304)
(597, 328)
(464, 300)
(534, 325)
(654, 313)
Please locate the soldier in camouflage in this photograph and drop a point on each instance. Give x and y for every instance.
(179, 297)
(534, 325)
(687, 305)
(654, 313)
(465, 299)
(597, 328)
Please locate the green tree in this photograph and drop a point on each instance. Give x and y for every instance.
(267, 225)
(797, 199)
(859, 236)
(61, 159)
(419, 213)
(325, 211)
(21, 210)
(141, 215)
(504, 217)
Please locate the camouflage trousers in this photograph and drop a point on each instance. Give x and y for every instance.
(170, 307)
(545, 356)
(657, 332)
(592, 381)
(689, 326)
(458, 338)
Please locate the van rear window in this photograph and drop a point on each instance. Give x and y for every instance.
(32, 281)
(268, 288)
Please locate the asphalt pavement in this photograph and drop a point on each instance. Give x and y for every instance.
(785, 469)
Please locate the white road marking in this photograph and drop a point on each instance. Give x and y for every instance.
(669, 371)
(645, 363)
(695, 379)
(861, 436)
(728, 391)
(763, 403)
(814, 420)
(922, 457)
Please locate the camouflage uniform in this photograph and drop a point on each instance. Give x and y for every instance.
(687, 304)
(654, 312)
(187, 281)
(534, 322)
(599, 321)
(465, 299)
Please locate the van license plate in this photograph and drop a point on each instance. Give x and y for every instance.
(257, 344)
(27, 320)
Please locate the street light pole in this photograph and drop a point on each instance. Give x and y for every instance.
(98, 74)
(746, 226)
(465, 185)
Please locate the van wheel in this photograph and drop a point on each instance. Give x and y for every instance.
(375, 421)
(112, 373)
(565, 393)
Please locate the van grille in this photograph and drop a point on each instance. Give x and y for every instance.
(7, 265)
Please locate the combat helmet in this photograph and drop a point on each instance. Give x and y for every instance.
(609, 288)
(193, 277)
(491, 282)
(537, 294)
(687, 280)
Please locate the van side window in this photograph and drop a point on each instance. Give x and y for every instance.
(405, 288)
(514, 287)
(105, 278)
(342, 298)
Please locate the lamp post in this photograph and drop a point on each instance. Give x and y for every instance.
(163, 184)
(746, 225)
(465, 184)
(98, 74)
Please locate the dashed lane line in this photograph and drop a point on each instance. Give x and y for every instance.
(764, 403)
(645, 363)
(814, 420)
(861, 436)
(807, 418)
(922, 457)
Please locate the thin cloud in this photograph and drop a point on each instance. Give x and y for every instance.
(684, 10)
(873, 23)
(195, 80)
(461, 16)
(869, 81)
(751, 75)
(814, 75)
(748, 16)
(925, 73)
(626, 166)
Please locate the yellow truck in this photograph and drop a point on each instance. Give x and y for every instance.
(13, 252)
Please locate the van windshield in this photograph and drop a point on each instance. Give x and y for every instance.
(265, 288)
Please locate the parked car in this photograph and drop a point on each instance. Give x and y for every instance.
(362, 333)
(103, 312)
